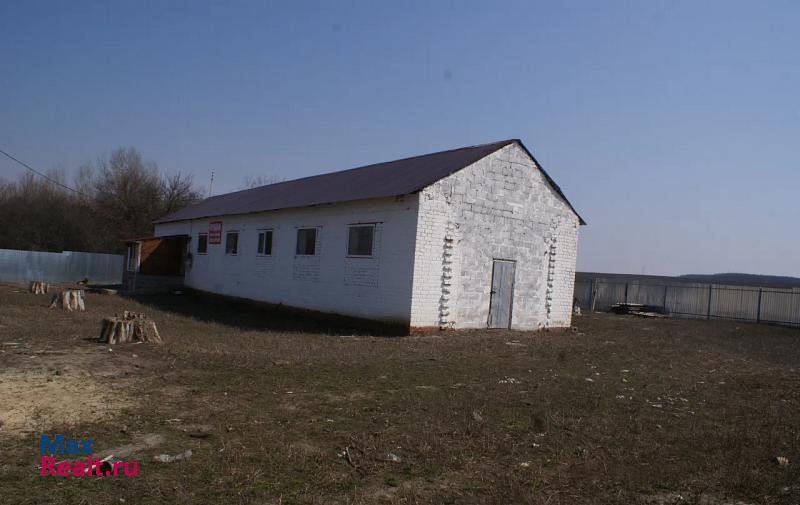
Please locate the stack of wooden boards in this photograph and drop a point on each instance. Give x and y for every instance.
(638, 309)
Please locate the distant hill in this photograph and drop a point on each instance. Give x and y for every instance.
(764, 281)
(749, 279)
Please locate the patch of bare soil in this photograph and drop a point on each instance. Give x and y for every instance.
(688, 498)
(140, 443)
(33, 400)
(53, 372)
(278, 409)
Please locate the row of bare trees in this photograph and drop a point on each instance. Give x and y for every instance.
(116, 197)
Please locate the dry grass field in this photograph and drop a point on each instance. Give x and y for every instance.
(280, 408)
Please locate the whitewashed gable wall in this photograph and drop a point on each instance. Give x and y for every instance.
(501, 207)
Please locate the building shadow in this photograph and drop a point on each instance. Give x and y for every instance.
(260, 316)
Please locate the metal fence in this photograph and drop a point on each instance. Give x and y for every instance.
(695, 300)
(67, 266)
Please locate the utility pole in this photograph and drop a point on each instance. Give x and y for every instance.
(211, 184)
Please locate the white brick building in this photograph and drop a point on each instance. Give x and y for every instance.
(468, 238)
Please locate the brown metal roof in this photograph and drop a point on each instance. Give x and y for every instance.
(392, 178)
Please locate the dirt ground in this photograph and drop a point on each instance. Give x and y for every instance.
(278, 408)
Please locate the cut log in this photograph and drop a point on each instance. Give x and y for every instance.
(131, 327)
(39, 287)
(69, 299)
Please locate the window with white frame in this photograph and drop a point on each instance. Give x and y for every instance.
(265, 242)
(232, 243)
(202, 243)
(360, 240)
(306, 242)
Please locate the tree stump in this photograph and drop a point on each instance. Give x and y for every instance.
(39, 287)
(131, 327)
(69, 299)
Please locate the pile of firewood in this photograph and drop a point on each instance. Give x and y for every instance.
(39, 287)
(131, 327)
(638, 309)
(69, 299)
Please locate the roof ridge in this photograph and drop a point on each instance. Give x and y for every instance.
(477, 146)
(378, 180)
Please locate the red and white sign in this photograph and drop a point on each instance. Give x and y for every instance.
(215, 232)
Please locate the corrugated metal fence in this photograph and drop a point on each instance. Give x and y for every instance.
(695, 300)
(67, 266)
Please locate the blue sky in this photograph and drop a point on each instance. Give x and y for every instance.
(672, 126)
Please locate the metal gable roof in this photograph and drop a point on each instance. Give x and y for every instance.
(392, 178)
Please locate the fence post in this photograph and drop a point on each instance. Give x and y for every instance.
(626, 292)
(758, 314)
(710, 288)
(666, 287)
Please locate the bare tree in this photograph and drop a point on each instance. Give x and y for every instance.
(179, 192)
(117, 197)
(128, 194)
(83, 181)
(41, 215)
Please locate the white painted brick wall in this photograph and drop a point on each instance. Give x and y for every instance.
(501, 207)
(434, 251)
(378, 287)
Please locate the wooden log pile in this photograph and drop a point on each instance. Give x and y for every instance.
(69, 299)
(638, 309)
(39, 287)
(131, 327)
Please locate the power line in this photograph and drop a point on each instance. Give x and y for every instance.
(40, 174)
